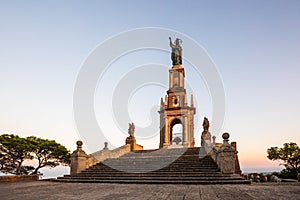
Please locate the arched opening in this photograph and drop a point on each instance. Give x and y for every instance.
(176, 136)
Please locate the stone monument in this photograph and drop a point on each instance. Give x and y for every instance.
(131, 139)
(176, 109)
(217, 158)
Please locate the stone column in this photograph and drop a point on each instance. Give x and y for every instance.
(167, 134)
(185, 132)
(78, 159)
(171, 79)
(225, 156)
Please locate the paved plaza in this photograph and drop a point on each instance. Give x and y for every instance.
(57, 190)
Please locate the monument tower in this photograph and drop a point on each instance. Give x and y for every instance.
(175, 108)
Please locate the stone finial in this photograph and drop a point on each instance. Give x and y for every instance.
(214, 140)
(161, 104)
(192, 101)
(79, 144)
(225, 137)
(105, 145)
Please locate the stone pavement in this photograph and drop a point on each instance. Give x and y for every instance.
(56, 190)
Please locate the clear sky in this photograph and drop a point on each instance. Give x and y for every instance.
(254, 44)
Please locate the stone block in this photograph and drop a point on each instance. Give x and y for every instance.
(78, 159)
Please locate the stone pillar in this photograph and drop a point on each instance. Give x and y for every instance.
(131, 140)
(226, 156)
(167, 135)
(185, 132)
(78, 159)
(236, 158)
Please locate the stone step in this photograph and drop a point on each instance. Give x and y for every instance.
(202, 182)
(146, 170)
(153, 178)
(155, 164)
(180, 166)
(148, 175)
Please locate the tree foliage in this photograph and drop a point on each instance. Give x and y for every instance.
(48, 153)
(289, 154)
(14, 150)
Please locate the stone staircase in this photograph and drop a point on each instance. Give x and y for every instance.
(178, 165)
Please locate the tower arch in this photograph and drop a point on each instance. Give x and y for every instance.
(176, 134)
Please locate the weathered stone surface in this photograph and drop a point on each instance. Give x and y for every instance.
(115, 153)
(54, 190)
(225, 161)
(225, 156)
(34, 177)
(78, 159)
(175, 109)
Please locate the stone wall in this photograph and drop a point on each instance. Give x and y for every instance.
(81, 161)
(236, 158)
(104, 154)
(138, 147)
(16, 178)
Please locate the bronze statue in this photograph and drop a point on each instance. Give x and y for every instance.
(176, 55)
(131, 129)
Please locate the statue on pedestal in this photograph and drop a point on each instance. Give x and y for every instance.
(131, 129)
(176, 55)
(206, 136)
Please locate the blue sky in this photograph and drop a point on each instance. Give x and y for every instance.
(255, 45)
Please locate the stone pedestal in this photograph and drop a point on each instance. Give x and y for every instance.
(78, 159)
(226, 156)
(133, 145)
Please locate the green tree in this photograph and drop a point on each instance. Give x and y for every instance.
(289, 154)
(48, 153)
(14, 150)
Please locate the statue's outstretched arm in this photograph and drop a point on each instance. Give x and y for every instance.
(171, 44)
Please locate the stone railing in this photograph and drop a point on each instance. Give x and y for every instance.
(224, 156)
(104, 154)
(81, 161)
